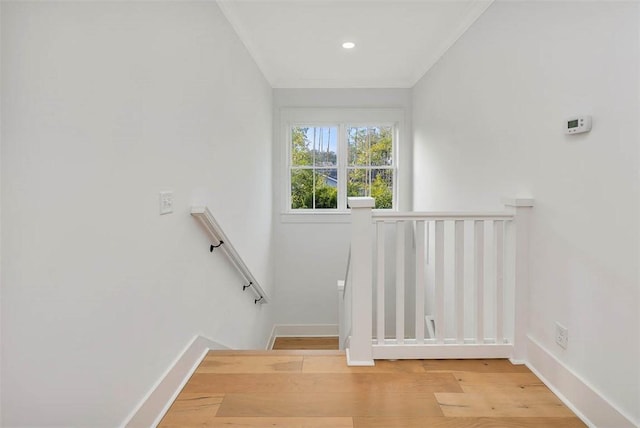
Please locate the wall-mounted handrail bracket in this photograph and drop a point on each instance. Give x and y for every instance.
(213, 247)
(203, 214)
(257, 300)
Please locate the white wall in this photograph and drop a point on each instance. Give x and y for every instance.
(305, 289)
(1, 133)
(488, 123)
(104, 104)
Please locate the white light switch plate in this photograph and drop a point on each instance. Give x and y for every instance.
(166, 202)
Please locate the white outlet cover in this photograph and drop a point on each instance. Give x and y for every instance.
(562, 335)
(166, 202)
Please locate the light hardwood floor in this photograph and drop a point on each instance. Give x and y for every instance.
(329, 342)
(317, 389)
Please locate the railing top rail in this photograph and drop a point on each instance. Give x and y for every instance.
(416, 215)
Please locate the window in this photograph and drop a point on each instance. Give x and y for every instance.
(314, 167)
(328, 161)
(370, 170)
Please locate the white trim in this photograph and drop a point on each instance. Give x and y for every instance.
(417, 215)
(272, 339)
(154, 405)
(518, 202)
(351, 362)
(475, 11)
(574, 391)
(361, 202)
(315, 217)
(440, 351)
(241, 34)
(359, 83)
(301, 330)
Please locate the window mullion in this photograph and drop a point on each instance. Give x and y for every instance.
(289, 163)
(342, 167)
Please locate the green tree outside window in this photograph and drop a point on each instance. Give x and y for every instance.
(314, 166)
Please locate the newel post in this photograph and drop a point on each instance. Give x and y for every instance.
(360, 351)
(519, 245)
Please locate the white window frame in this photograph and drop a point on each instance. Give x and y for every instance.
(342, 118)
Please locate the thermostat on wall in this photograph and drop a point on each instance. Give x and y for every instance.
(578, 125)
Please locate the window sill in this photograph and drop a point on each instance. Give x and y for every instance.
(317, 217)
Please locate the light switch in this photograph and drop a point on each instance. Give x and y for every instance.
(166, 202)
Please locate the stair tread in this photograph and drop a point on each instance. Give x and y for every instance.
(257, 352)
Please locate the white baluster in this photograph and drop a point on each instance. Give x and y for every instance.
(420, 280)
(380, 320)
(459, 279)
(400, 282)
(498, 243)
(479, 277)
(439, 277)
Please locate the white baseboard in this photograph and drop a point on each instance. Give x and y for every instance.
(301, 330)
(155, 404)
(582, 398)
(359, 363)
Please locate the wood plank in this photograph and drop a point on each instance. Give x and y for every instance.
(192, 409)
(257, 352)
(491, 381)
(324, 404)
(527, 404)
(480, 366)
(338, 364)
(345, 422)
(354, 383)
(444, 422)
(251, 364)
(256, 389)
(306, 343)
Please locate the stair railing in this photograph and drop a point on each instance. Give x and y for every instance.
(464, 279)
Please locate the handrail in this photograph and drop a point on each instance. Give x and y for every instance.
(209, 222)
(346, 274)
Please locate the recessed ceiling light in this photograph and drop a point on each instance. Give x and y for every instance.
(348, 45)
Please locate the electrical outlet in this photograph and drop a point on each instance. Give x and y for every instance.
(166, 202)
(562, 336)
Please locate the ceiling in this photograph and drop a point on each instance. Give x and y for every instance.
(298, 43)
